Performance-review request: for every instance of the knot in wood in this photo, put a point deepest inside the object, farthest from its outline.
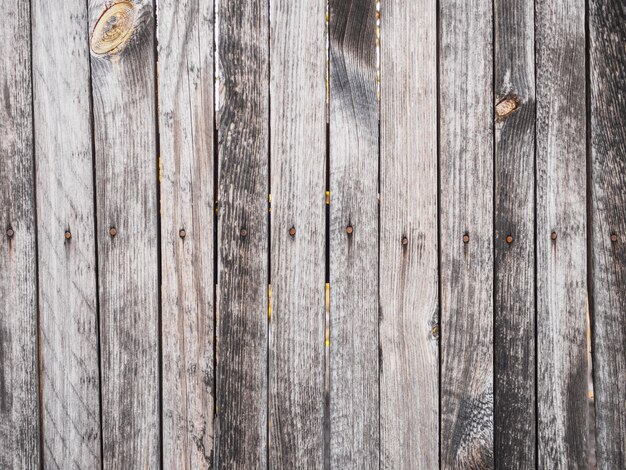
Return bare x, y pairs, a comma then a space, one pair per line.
68, 235
506, 107
10, 232
113, 28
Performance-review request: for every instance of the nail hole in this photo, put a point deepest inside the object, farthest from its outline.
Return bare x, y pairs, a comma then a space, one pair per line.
613, 237
553, 235
349, 230
113, 231
68, 234
466, 238
182, 233
509, 239
292, 231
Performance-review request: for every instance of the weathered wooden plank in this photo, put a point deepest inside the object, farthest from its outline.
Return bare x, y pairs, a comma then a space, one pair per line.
185, 90
354, 407
67, 244
409, 304
298, 124
514, 198
19, 386
561, 234
466, 223
607, 36
243, 234
123, 77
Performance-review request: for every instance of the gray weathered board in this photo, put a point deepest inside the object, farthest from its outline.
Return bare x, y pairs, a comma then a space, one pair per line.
318, 234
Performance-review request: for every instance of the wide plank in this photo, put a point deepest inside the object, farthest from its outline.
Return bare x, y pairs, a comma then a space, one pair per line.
123, 80
561, 234
514, 206
185, 90
466, 233
298, 154
607, 37
19, 370
67, 236
243, 234
409, 286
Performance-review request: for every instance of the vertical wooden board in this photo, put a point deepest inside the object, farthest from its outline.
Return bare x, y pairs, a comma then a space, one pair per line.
409, 356
298, 125
19, 392
122, 52
243, 234
466, 223
514, 309
561, 234
185, 90
67, 246
354, 407
608, 222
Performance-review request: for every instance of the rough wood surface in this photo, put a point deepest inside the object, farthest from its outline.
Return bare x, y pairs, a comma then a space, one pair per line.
409, 356
466, 223
67, 245
243, 236
123, 77
608, 221
19, 382
298, 123
185, 90
514, 237
354, 423
561, 234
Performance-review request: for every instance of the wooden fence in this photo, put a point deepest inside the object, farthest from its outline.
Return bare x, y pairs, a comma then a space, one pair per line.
382, 237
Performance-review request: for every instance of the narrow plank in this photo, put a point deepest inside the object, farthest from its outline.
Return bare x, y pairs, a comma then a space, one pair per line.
19, 386
354, 407
409, 299
67, 244
466, 224
561, 234
298, 126
607, 36
185, 89
122, 62
243, 234
514, 198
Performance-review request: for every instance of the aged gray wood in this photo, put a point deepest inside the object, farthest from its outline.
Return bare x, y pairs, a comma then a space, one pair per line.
466, 222
298, 120
409, 357
354, 407
561, 258
67, 245
185, 90
243, 234
608, 221
19, 385
123, 79
514, 198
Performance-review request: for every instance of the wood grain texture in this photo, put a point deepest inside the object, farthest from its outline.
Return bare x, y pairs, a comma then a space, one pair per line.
185, 90
409, 352
466, 223
354, 406
298, 123
67, 243
243, 232
19, 385
126, 193
561, 258
514, 198
608, 221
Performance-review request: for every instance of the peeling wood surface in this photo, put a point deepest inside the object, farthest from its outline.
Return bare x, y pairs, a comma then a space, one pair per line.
185, 99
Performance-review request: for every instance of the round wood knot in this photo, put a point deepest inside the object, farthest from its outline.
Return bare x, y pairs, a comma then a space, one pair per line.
113, 28
10, 232
182, 233
349, 229
112, 232
509, 239
614, 237
68, 235
506, 107
292, 232
553, 236
466, 238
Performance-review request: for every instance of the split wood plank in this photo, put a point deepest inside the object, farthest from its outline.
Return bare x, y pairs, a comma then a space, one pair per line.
409, 299
466, 224
608, 221
354, 406
123, 77
19, 381
298, 154
67, 236
514, 198
561, 234
243, 234
185, 90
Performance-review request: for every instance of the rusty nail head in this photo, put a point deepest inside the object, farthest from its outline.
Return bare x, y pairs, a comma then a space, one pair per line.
553, 235
112, 231
182, 233
466, 238
349, 230
405, 241
68, 234
613, 237
10, 233
243, 233
509, 239
292, 231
